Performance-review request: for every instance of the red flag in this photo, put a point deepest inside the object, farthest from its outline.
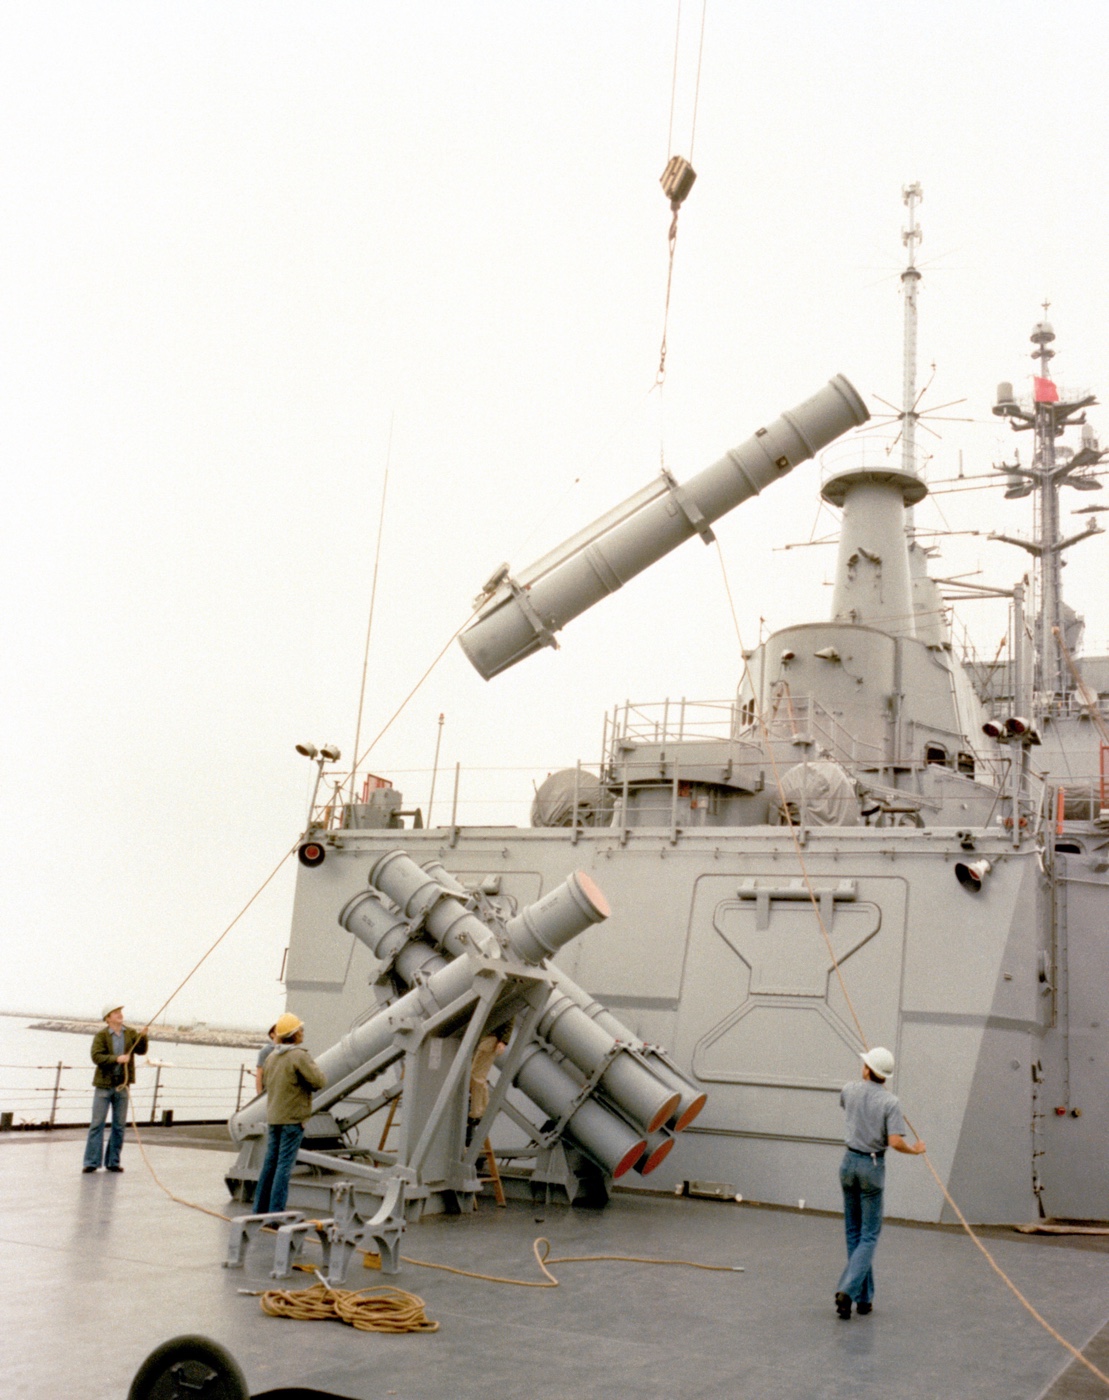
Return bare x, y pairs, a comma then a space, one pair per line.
1044, 390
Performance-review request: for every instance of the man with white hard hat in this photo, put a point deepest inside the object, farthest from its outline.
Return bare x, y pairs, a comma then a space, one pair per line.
874, 1122
113, 1052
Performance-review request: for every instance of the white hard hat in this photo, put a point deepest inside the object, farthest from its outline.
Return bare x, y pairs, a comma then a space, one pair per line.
879, 1061
109, 1007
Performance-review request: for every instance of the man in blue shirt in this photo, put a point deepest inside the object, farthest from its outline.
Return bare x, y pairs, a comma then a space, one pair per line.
874, 1122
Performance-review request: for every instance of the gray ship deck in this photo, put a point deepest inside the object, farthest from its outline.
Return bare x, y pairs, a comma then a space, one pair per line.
103, 1268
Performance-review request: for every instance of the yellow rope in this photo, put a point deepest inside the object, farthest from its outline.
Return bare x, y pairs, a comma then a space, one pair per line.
384, 1309
361, 758
543, 1258
994, 1265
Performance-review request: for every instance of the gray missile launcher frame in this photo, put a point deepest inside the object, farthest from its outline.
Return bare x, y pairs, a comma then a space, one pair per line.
448, 976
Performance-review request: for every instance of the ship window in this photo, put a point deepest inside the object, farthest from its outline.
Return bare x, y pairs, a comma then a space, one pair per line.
1068, 848
935, 753
964, 762
747, 713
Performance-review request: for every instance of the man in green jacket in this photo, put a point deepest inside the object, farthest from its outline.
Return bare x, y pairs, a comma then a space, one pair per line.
113, 1052
289, 1075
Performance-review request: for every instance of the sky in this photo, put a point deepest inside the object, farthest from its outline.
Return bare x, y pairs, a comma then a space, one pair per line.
255, 255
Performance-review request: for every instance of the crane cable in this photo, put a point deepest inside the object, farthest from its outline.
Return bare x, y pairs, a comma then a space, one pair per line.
678, 177
994, 1265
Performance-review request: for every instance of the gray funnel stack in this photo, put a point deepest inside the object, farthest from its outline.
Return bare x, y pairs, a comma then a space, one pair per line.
522, 614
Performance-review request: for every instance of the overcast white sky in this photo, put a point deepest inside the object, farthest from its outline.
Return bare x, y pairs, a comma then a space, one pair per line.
239, 240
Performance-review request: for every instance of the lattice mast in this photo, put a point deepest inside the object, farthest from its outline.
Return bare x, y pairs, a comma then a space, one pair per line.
912, 195
1049, 414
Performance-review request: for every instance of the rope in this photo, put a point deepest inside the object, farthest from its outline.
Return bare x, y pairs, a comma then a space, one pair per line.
543, 1258
1004, 1277
400, 708
384, 1309
994, 1265
373, 599
180, 1200
672, 242
197, 965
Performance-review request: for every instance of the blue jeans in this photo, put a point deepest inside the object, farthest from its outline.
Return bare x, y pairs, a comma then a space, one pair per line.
102, 1100
863, 1179
282, 1145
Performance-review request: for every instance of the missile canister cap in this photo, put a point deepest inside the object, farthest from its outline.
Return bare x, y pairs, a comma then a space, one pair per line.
592, 893
655, 1156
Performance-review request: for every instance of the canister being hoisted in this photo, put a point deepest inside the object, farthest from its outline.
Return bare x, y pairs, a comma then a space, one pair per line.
522, 613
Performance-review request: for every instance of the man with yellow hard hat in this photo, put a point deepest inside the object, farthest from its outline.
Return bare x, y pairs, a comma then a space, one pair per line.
289, 1075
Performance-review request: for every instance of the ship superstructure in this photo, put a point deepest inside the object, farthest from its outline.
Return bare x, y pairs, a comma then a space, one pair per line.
866, 844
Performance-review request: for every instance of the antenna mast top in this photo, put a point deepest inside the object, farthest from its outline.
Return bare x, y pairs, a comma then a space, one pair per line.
912, 195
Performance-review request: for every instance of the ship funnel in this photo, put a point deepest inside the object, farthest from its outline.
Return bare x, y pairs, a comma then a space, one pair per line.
874, 585
519, 615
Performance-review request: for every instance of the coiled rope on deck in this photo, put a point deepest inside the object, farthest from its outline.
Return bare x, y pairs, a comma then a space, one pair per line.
381, 1309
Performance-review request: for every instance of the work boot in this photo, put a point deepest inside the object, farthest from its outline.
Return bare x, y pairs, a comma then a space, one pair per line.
843, 1306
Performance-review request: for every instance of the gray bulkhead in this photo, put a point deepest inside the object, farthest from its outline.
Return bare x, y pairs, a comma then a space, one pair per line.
714, 950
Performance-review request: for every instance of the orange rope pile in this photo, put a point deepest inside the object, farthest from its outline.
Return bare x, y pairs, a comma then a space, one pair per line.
384, 1309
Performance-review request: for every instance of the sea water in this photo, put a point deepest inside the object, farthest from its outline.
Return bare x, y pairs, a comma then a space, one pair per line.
47, 1075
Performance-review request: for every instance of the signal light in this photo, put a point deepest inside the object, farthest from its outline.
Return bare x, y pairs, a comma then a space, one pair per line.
993, 729
311, 853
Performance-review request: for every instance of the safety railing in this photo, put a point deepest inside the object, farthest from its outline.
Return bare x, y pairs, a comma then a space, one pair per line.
668, 721
800, 719
1081, 798
470, 795
60, 1095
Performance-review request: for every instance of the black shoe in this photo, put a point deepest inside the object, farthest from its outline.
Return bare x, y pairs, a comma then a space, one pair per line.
863, 1308
843, 1306
115, 1169
90, 1169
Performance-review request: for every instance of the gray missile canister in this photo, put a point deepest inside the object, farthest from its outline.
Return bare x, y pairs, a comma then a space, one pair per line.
691, 1099
522, 614
601, 1135
632, 1088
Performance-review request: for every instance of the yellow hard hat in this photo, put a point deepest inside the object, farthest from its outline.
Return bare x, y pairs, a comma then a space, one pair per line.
287, 1025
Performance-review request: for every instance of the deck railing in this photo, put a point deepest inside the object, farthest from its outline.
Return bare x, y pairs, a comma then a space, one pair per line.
58, 1095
